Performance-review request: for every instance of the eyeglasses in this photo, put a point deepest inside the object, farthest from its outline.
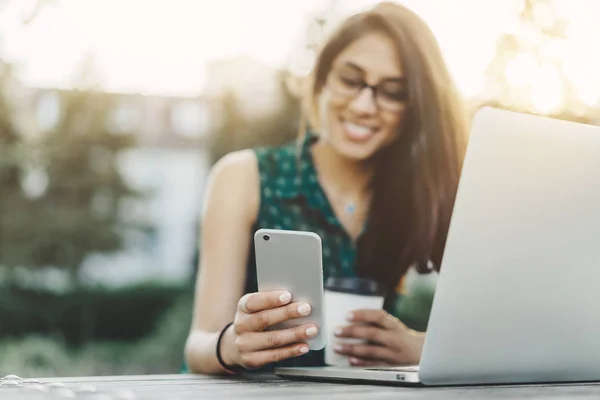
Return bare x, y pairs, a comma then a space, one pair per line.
390, 95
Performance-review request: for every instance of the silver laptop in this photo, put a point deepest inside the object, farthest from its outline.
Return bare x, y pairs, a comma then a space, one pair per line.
519, 285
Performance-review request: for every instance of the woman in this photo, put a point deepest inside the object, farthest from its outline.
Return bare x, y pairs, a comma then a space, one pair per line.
375, 177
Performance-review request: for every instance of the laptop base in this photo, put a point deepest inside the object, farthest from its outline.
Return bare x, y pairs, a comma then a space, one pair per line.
404, 376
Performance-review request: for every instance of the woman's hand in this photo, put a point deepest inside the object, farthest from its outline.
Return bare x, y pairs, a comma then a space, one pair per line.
252, 346
388, 341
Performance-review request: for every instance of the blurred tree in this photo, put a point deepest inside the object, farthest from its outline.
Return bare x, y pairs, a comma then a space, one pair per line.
81, 209
239, 132
66, 198
226, 137
14, 205
527, 73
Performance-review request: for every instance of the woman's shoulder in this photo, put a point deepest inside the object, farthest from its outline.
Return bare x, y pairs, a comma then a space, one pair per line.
233, 184
236, 164
250, 165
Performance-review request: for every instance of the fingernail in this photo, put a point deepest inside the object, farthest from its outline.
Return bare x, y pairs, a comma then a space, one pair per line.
312, 331
244, 301
353, 360
338, 331
338, 347
285, 297
303, 349
350, 316
304, 309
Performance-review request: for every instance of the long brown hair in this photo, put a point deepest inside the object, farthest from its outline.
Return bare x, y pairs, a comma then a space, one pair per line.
417, 176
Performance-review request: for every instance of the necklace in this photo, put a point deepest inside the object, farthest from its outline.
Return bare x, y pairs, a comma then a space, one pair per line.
350, 208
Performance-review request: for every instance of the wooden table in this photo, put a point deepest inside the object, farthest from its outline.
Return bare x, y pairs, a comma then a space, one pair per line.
188, 387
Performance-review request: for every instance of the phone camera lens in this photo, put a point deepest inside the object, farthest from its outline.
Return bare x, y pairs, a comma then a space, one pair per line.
266, 237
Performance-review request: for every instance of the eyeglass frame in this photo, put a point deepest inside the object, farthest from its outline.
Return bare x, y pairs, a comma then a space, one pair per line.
363, 84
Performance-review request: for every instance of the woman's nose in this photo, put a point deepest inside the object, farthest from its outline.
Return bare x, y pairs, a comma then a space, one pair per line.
364, 101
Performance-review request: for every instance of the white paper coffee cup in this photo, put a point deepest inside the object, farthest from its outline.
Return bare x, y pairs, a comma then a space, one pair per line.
343, 295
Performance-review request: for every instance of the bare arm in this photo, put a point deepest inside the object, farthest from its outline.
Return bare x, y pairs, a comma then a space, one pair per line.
230, 209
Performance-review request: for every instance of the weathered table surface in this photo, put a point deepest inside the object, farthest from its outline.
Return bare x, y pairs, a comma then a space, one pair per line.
188, 387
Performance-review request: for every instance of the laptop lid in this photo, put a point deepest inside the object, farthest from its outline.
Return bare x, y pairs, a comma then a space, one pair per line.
520, 278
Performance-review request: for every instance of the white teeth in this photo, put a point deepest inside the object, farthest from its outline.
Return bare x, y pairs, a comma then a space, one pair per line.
358, 130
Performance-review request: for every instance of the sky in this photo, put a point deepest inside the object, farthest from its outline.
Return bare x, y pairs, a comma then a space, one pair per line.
164, 46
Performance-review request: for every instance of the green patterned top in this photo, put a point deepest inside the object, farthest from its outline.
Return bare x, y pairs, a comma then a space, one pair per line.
292, 198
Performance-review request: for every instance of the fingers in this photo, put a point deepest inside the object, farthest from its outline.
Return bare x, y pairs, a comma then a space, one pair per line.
254, 302
369, 333
367, 353
376, 317
261, 320
258, 359
256, 341
258, 311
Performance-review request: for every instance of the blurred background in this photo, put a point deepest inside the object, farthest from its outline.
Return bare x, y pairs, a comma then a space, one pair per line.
113, 111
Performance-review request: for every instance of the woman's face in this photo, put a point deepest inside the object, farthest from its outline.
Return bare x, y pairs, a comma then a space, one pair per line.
358, 121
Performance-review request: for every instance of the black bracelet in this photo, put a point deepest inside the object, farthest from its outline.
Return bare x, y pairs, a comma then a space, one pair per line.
228, 368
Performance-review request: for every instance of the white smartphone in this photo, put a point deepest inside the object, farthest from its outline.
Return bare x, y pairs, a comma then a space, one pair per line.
292, 261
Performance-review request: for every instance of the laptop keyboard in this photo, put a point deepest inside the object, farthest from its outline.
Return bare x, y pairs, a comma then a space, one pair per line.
409, 368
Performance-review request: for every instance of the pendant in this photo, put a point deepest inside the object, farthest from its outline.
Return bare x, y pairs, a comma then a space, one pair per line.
350, 208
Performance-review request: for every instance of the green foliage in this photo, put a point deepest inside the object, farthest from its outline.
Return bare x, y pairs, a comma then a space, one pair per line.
159, 352
90, 314
162, 352
415, 308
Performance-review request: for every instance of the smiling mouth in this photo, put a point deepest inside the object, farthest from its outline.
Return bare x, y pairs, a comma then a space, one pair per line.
358, 132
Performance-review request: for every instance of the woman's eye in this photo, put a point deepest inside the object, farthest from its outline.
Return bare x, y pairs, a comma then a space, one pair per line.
395, 96
351, 81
